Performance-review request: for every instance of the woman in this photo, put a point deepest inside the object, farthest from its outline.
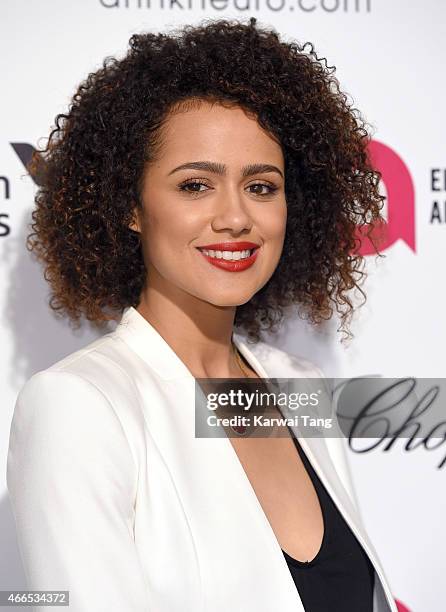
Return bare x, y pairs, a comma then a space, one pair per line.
202, 183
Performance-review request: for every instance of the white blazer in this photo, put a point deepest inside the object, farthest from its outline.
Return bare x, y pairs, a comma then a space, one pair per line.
117, 501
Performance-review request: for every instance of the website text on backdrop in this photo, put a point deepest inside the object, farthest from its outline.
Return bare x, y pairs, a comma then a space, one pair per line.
192, 199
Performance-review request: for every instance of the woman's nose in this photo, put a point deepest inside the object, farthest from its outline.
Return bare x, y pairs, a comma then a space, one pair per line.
231, 213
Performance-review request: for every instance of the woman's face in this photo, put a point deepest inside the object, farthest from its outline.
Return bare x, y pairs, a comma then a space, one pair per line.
234, 193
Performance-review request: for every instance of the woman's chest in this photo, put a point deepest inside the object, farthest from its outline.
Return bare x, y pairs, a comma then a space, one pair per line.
285, 492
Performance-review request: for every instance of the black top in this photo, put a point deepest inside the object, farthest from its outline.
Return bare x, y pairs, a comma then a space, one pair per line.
341, 576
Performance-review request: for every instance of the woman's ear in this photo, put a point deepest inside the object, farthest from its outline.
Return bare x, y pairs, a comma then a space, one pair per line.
135, 223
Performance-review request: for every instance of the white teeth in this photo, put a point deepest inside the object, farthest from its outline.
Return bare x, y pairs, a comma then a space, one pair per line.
228, 255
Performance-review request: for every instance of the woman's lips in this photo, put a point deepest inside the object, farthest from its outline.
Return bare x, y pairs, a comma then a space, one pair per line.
232, 265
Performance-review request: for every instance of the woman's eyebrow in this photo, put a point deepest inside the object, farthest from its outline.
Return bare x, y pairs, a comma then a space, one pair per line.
220, 169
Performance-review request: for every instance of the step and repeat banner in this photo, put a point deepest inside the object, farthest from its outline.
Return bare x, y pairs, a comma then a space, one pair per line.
389, 57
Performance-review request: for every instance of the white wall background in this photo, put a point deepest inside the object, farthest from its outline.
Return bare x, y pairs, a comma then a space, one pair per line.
390, 58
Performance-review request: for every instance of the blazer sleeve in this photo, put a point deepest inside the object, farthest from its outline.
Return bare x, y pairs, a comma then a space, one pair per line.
71, 478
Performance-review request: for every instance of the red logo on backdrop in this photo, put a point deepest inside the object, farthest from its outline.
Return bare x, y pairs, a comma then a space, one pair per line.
400, 223
401, 607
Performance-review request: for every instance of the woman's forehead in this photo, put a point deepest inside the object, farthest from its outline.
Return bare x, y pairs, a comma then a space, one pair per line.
216, 132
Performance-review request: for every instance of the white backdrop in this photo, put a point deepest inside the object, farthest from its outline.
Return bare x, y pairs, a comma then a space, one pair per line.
389, 56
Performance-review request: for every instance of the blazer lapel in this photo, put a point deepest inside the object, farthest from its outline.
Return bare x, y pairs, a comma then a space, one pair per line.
241, 562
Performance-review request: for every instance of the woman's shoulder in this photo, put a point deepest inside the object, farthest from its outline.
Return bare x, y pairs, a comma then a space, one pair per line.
91, 385
105, 363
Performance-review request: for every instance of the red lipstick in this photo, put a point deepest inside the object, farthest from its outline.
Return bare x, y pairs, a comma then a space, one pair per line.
231, 265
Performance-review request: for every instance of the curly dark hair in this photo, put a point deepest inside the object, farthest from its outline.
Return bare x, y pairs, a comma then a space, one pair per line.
97, 152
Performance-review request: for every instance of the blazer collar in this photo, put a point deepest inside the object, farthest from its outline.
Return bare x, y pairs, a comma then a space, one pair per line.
149, 344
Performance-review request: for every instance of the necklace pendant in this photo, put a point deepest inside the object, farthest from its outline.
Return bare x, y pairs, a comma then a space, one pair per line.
239, 429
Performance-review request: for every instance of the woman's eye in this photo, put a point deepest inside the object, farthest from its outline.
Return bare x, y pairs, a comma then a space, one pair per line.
184, 186
271, 189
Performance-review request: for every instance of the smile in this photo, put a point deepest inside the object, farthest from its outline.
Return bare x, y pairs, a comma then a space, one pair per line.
236, 259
